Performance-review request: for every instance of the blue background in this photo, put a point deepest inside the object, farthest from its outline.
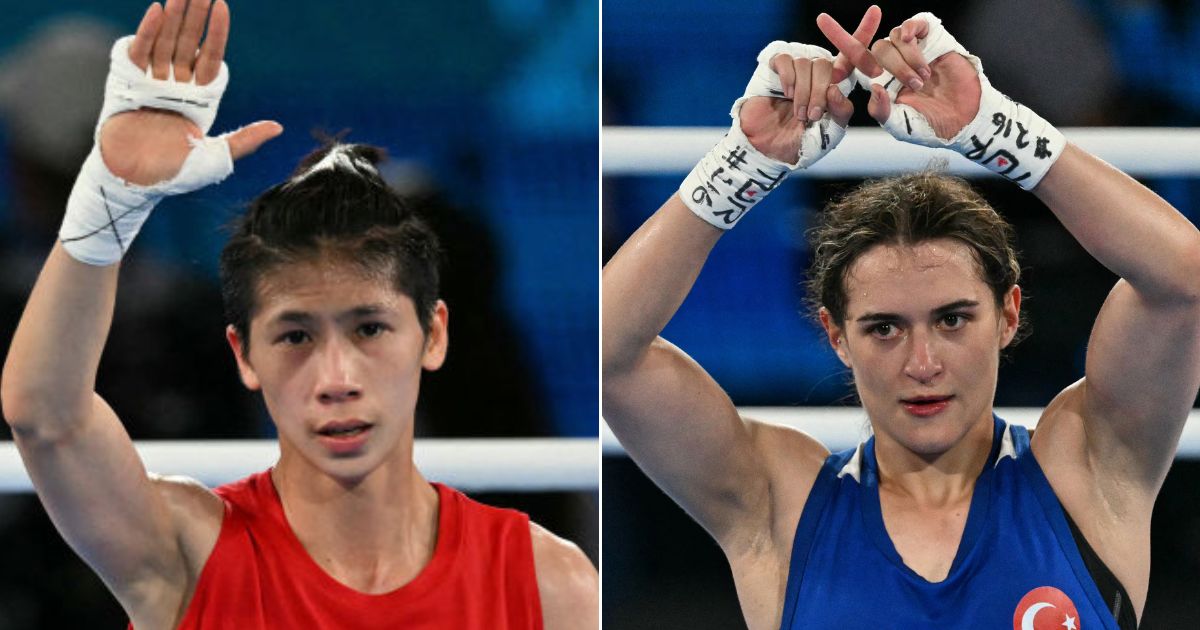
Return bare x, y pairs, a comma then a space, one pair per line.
496, 98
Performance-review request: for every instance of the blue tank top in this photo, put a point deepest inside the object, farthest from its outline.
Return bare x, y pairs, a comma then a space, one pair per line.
1017, 562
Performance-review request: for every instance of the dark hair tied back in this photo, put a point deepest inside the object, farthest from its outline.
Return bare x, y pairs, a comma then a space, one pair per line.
335, 206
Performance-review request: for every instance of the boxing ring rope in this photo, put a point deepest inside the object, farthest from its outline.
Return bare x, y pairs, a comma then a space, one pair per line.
871, 152
1140, 151
840, 428
472, 465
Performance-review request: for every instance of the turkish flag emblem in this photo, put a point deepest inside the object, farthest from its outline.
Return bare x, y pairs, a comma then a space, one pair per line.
1046, 608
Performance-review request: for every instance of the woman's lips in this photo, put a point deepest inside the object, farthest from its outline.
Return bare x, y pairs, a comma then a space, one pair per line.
926, 406
344, 438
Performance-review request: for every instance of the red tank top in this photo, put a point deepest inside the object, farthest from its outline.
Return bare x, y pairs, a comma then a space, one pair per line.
259, 576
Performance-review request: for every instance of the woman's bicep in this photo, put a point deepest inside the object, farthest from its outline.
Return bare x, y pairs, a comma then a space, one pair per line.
98, 495
1142, 374
684, 432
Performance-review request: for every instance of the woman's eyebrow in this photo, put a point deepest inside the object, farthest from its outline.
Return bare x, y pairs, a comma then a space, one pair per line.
955, 306
365, 310
305, 318
295, 317
895, 317
879, 317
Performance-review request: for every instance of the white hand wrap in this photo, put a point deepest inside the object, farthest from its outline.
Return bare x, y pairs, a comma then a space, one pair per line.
129, 88
104, 212
1005, 137
734, 176
818, 139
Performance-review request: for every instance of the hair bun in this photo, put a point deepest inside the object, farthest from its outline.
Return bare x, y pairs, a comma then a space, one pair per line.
359, 159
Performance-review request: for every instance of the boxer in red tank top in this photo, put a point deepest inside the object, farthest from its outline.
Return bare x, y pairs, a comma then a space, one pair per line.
331, 290
481, 574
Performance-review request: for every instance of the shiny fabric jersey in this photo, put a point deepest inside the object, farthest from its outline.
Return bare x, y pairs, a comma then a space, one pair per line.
1017, 565
259, 576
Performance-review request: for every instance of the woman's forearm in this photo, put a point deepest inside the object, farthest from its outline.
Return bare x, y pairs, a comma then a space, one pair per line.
1124, 225
649, 277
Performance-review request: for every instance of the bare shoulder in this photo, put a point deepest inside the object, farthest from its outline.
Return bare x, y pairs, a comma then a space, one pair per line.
197, 513
1066, 444
788, 448
761, 554
568, 583
793, 459
1112, 514
1059, 444
1058, 440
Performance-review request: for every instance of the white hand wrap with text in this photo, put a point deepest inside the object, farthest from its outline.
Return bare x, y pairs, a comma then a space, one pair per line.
734, 176
1005, 137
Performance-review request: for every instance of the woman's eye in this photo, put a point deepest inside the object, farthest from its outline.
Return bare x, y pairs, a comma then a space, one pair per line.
294, 337
884, 331
371, 330
954, 321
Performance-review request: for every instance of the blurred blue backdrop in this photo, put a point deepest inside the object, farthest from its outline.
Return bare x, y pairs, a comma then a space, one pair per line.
493, 101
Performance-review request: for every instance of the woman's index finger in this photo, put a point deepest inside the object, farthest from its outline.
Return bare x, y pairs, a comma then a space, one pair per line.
868, 25
853, 49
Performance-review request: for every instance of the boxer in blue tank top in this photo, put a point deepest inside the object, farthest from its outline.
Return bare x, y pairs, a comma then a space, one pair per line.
946, 516
1017, 556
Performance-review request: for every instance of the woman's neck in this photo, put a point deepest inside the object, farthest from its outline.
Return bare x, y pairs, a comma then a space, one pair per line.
934, 480
374, 535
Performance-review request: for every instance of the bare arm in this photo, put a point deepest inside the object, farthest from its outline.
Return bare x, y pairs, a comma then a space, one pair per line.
82, 463
568, 584
1143, 361
1143, 364
144, 536
671, 416
1106, 442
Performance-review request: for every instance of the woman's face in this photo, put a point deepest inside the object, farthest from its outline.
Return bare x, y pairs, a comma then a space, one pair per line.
923, 336
338, 356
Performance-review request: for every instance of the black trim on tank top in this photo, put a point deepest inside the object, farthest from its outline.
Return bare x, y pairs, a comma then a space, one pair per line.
1111, 590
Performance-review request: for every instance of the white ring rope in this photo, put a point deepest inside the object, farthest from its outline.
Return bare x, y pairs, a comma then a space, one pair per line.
840, 428
1143, 152
1139, 151
473, 465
